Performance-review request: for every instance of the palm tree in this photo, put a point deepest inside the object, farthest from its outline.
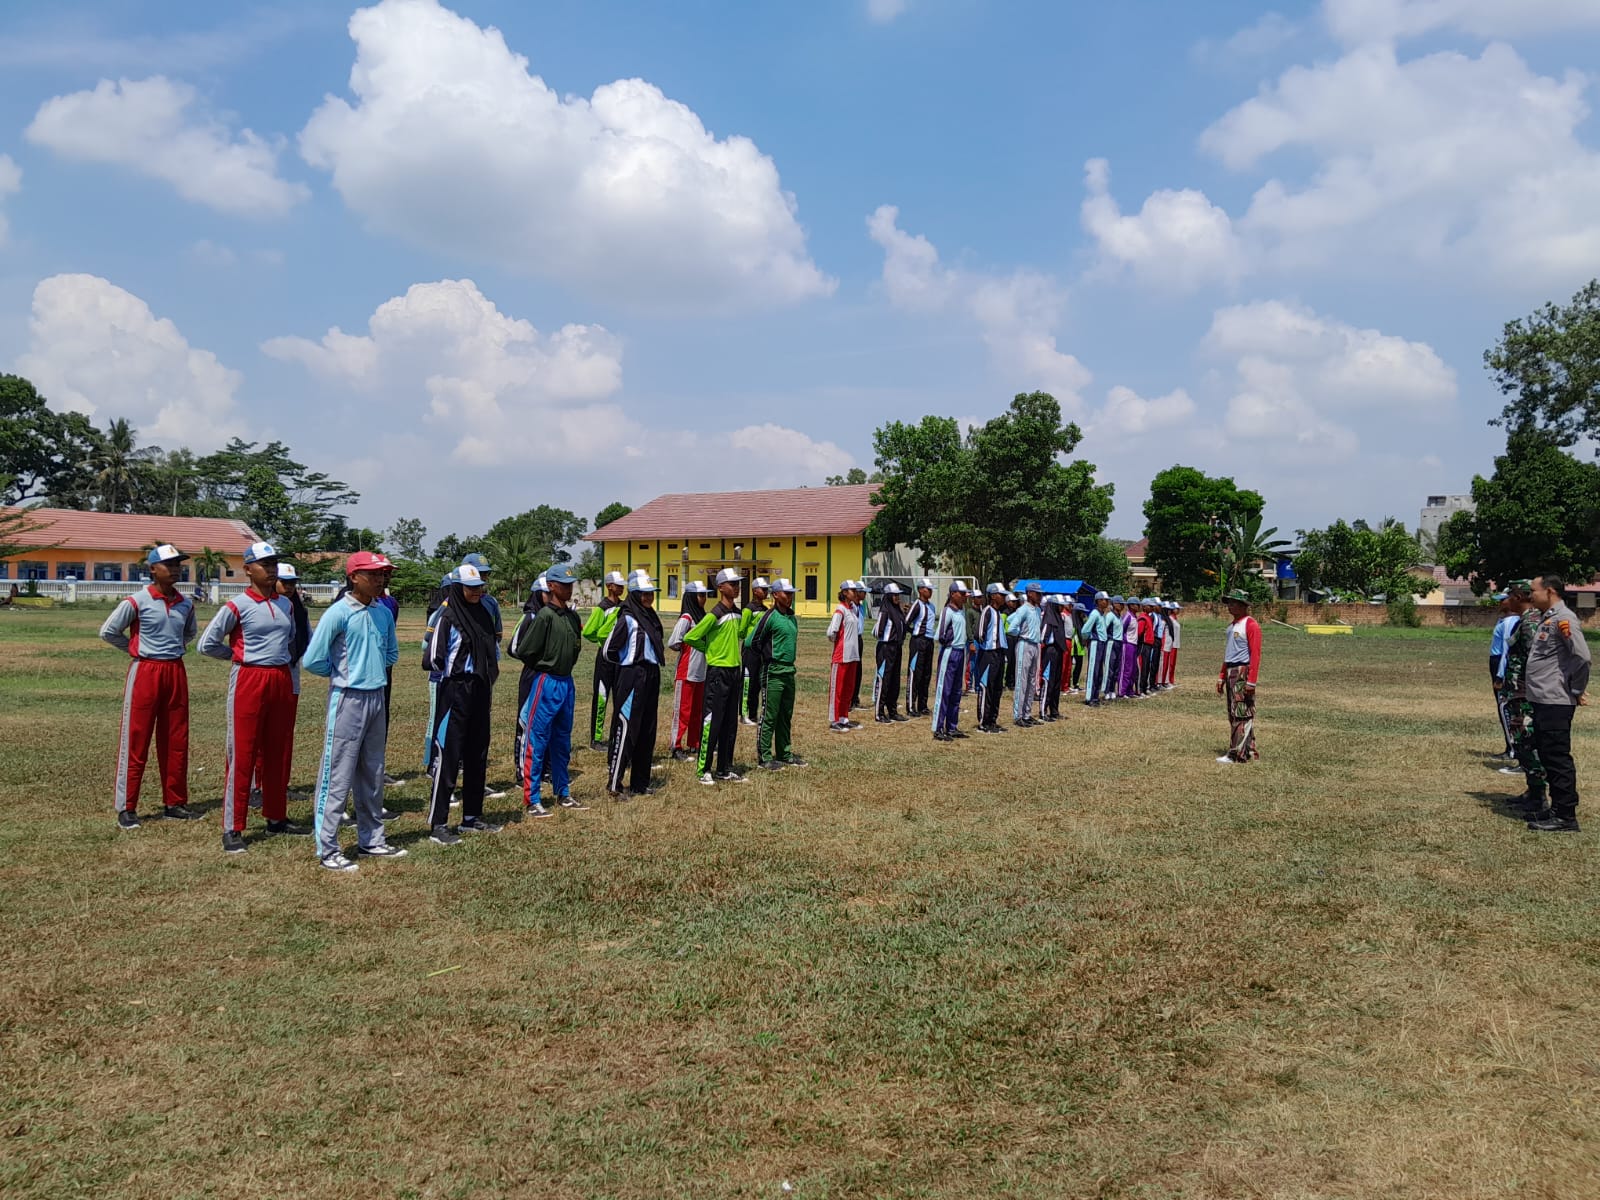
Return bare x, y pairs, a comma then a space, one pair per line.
114, 464
210, 564
1244, 547
516, 558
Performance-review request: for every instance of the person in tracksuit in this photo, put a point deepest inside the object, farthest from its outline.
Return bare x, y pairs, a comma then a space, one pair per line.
256, 633
638, 649
776, 637
538, 596
993, 650
1498, 641
463, 650
889, 632
1097, 631
1009, 611
549, 646
1078, 614
1055, 633
354, 646
288, 586
154, 627
844, 632
1117, 649
1027, 632
1169, 654
970, 614
950, 674
858, 597
717, 637
754, 684
689, 679
922, 622
430, 741
602, 617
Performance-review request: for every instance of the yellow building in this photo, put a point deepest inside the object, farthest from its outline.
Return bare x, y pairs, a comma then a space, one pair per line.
813, 536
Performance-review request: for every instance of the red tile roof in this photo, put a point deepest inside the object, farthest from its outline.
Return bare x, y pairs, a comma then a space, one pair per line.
837, 511
1138, 550
126, 532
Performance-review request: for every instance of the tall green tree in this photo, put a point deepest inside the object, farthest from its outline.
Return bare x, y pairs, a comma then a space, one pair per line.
42, 452
1539, 511
1244, 552
548, 534
998, 503
614, 511
1187, 521
516, 556
278, 497
1549, 364
1356, 559
117, 466
404, 538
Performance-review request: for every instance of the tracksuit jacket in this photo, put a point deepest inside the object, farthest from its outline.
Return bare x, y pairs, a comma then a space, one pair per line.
155, 631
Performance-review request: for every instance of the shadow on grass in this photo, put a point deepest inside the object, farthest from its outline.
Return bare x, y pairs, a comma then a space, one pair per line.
1502, 805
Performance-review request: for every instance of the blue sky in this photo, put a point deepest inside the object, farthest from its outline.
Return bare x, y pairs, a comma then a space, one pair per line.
701, 246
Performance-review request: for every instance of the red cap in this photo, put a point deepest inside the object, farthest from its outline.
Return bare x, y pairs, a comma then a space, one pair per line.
366, 560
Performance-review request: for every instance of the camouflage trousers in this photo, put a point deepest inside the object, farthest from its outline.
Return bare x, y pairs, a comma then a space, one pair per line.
1519, 712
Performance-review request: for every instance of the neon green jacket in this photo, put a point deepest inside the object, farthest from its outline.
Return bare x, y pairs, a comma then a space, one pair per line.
602, 619
717, 637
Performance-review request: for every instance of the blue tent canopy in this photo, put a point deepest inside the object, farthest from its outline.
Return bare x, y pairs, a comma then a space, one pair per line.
1076, 588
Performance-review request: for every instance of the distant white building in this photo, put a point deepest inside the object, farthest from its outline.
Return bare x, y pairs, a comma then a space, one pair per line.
1440, 509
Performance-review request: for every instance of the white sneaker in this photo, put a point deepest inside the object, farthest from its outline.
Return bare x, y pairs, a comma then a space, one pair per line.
708, 779
455, 800
390, 781
1225, 759
383, 851
490, 793
1511, 770
338, 862
746, 721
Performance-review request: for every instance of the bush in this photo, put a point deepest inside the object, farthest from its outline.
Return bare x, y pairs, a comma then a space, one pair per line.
1403, 611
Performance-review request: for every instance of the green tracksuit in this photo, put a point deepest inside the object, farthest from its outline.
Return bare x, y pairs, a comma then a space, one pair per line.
773, 639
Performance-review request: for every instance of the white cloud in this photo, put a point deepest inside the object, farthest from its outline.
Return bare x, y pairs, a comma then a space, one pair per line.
1179, 240
883, 11
97, 349
1016, 315
212, 254
1269, 34
1127, 415
453, 145
159, 128
10, 185
1295, 371
1445, 158
489, 390
1360, 21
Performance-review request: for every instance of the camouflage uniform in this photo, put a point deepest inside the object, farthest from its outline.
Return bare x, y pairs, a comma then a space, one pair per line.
1518, 707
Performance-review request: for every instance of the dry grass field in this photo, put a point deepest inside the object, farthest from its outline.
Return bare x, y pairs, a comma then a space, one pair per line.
1083, 960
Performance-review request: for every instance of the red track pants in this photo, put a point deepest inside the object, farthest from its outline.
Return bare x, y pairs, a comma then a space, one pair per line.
841, 687
261, 712
154, 700
688, 712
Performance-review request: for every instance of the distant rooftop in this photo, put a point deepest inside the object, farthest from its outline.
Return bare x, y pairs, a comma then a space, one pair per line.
69, 529
825, 511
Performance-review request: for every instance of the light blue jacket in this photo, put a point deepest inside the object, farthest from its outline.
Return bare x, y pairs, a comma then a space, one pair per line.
354, 645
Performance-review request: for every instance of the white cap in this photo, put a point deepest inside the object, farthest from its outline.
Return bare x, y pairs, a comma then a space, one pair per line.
639, 581
468, 575
696, 587
760, 582
260, 550
287, 571
1102, 595
925, 582
891, 589
614, 578
783, 585
728, 575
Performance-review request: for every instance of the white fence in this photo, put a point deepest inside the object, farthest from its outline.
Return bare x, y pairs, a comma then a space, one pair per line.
66, 591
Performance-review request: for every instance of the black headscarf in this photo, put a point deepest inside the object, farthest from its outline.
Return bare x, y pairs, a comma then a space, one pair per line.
535, 601
890, 607
648, 620
1052, 619
476, 627
693, 607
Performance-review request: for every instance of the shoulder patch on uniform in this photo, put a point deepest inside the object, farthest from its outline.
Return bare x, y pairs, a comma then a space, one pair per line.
1566, 629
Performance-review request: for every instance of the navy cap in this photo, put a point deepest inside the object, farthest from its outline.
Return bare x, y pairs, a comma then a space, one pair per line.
479, 561
560, 574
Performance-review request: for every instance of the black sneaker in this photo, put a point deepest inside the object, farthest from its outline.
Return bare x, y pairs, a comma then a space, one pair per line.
478, 825
794, 760
644, 791
572, 804
1554, 824
958, 733
383, 851
618, 796
443, 835
731, 777
682, 756
284, 827
388, 814
347, 820
537, 810
181, 812
943, 737
127, 819
772, 764
899, 718
233, 843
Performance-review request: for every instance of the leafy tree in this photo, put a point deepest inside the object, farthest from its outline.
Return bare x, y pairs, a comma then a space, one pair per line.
453, 549
337, 535
1356, 558
1549, 363
544, 532
516, 556
996, 503
1187, 519
852, 476
283, 501
1103, 563
42, 452
117, 466
1539, 511
614, 511
405, 536
1244, 549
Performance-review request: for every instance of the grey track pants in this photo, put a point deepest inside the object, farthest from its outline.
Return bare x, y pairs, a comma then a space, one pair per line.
1025, 699
352, 765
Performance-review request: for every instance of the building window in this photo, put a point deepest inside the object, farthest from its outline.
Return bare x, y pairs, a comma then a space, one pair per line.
811, 585
66, 570
5, 570
811, 545
108, 572
672, 585
644, 545
775, 545
32, 569
705, 545
672, 545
